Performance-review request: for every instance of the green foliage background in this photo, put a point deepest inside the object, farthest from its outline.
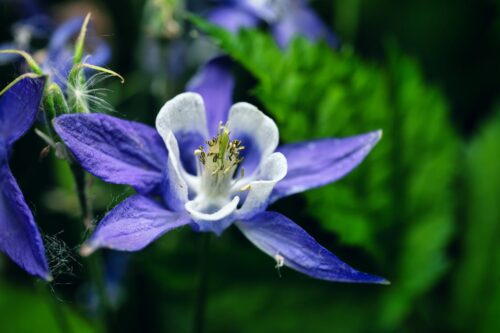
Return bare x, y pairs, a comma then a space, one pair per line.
422, 209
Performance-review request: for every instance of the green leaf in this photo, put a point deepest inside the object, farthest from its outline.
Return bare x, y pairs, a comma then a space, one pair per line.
37, 310
476, 288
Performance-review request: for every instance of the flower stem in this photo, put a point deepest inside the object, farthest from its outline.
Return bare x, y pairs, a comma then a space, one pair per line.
81, 182
201, 296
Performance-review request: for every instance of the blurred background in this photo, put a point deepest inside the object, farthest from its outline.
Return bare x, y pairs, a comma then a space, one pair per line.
422, 210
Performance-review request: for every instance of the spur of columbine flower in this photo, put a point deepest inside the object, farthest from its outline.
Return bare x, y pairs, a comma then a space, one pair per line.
19, 236
209, 171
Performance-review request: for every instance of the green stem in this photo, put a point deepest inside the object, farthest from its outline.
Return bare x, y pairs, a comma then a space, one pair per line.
201, 296
81, 182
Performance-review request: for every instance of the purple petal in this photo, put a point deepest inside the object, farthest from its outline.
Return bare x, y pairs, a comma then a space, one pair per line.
291, 246
18, 108
304, 22
232, 18
264, 10
58, 67
115, 150
134, 224
19, 236
316, 163
59, 59
101, 52
215, 84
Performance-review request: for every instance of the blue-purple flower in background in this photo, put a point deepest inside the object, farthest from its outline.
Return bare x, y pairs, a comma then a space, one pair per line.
19, 235
23, 33
56, 59
286, 19
60, 51
209, 169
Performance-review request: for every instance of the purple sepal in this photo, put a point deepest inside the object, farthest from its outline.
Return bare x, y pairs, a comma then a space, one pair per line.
215, 83
18, 108
63, 35
115, 150
291, 246
19, 235
316, 163
134, 224
301, 21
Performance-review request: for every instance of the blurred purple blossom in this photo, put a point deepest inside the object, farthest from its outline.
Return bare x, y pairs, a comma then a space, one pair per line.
57, 59
286, 19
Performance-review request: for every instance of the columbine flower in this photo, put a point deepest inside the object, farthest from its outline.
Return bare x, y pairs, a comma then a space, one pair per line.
211, 171
19, 236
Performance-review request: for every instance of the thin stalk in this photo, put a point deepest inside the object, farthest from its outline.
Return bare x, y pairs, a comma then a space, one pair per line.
201, 296
81, 182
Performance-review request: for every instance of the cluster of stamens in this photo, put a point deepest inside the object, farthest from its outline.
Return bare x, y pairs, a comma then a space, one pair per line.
222, 155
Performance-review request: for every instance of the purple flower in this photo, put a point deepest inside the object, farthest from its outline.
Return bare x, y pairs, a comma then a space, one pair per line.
287, 19
194, 170
19, 236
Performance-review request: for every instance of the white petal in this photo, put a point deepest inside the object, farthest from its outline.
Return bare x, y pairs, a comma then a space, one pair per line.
246, 121
193, 208
272, 170
184, 113
177, 195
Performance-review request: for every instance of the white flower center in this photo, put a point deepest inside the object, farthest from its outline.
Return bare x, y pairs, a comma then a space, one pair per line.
218, 165
216, 173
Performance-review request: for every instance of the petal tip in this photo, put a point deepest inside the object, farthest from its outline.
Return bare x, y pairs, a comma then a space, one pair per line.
379, 280
86, 250
376, 136
385, 282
